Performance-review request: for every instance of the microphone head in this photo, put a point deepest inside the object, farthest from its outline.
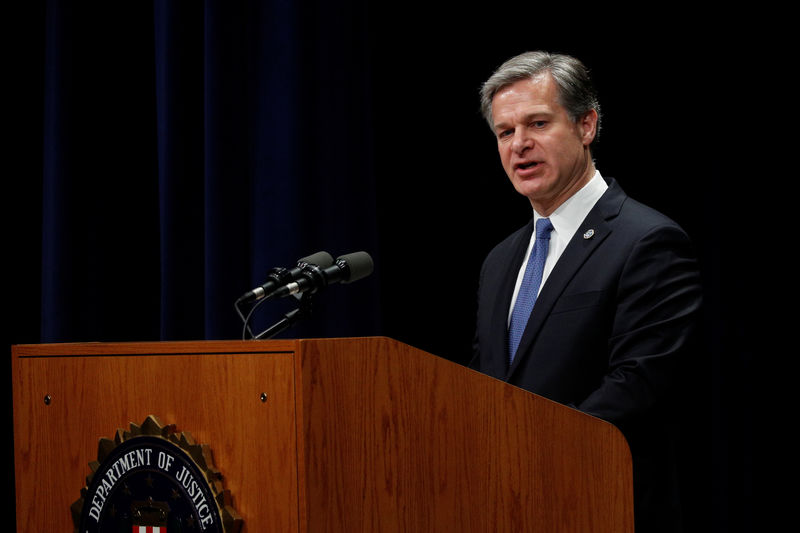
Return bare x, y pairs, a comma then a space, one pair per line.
358, 265
320, 259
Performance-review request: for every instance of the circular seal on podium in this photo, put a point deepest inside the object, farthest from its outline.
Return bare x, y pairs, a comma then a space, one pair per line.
152, 479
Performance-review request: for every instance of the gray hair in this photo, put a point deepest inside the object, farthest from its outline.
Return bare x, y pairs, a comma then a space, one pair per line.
576, 92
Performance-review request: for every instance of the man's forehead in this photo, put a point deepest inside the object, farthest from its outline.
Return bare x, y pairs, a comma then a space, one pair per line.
525, 97
542, 86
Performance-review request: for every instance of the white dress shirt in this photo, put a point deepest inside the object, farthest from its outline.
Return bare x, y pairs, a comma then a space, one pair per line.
566, 220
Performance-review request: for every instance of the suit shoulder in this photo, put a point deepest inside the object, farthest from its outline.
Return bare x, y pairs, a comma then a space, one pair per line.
632, 215
640, 218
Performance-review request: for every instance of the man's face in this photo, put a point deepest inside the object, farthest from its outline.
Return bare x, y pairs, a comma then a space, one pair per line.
544, 153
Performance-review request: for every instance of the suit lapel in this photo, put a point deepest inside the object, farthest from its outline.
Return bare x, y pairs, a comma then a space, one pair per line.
572, 259
505, 291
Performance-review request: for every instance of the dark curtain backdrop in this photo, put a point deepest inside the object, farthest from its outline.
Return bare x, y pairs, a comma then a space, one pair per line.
168, 154
189, 148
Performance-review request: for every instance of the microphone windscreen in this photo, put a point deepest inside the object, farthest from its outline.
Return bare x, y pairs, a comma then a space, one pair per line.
320, 259
359, 265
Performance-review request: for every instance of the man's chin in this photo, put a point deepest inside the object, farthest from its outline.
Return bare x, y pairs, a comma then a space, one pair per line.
530, 188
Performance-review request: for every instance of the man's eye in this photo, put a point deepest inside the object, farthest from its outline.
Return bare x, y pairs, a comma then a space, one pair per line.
538, 123
505, 133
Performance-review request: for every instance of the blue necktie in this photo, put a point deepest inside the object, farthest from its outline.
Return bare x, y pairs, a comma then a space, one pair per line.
530, 286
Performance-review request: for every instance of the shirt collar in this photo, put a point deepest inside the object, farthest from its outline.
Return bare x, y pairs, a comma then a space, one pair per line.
568, 216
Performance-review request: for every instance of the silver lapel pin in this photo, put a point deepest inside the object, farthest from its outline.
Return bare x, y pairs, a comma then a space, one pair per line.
589, 234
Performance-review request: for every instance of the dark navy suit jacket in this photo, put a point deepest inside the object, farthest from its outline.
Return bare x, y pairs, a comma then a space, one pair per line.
609, 329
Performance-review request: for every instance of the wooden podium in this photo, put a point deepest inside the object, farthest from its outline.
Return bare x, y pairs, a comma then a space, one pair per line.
335, 435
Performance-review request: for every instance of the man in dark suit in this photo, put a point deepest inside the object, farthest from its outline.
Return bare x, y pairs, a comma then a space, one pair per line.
594, 308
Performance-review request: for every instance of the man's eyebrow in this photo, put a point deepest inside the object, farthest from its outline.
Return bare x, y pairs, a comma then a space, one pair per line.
527, 118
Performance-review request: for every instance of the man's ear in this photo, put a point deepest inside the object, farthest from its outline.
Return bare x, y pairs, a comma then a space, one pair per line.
587, 127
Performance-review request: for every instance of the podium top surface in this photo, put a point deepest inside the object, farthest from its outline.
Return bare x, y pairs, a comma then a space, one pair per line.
154, 347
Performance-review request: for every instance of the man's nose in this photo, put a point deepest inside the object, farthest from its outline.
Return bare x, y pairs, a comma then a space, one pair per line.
522, 142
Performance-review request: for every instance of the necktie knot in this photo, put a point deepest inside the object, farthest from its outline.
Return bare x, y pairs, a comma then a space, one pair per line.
543, 228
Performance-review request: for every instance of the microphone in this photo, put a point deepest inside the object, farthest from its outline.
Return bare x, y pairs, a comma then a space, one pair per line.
279, 276
346, 269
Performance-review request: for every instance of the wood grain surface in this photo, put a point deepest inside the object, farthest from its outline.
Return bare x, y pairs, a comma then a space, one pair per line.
398, 440
355, 435
212, 390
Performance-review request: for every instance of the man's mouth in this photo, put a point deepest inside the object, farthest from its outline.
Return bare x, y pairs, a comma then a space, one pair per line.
526, 165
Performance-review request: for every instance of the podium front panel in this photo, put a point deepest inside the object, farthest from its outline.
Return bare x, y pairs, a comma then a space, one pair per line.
238, 398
